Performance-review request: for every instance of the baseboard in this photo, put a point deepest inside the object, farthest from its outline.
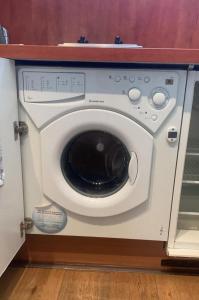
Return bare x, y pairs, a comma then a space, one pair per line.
92, 251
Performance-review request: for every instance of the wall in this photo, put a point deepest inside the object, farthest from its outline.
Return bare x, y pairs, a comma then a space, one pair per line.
151, 23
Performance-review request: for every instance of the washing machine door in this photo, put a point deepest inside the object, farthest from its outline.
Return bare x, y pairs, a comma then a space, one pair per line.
96, 162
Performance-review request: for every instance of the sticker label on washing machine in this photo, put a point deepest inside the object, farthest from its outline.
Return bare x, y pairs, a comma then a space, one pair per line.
49, 219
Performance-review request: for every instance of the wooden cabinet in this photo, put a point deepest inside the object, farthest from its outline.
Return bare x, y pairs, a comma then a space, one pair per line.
184, 224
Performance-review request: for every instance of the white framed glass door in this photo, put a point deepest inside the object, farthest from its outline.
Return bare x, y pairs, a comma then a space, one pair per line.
184, 225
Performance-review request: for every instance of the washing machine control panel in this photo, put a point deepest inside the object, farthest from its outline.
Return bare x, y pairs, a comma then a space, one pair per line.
148, 96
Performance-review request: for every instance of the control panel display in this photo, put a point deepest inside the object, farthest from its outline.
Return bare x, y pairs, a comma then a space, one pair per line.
148, 96
52, 86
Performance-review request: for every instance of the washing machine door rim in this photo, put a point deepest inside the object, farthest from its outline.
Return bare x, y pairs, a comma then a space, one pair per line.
137, 141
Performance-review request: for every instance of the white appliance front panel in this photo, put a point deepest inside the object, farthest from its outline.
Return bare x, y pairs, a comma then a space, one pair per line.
149, 220
147, 96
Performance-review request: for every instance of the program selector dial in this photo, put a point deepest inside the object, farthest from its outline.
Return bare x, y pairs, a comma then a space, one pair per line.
159, 98
134, 94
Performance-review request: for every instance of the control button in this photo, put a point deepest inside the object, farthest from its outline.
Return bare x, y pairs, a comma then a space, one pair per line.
117, 79
131, 78
154, 117
147, 79
134, 94
159, 98
172, 135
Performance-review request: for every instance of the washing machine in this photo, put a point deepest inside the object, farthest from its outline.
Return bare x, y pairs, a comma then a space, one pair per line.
100, 155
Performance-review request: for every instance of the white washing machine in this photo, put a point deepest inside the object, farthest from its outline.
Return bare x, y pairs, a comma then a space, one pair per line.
100, 155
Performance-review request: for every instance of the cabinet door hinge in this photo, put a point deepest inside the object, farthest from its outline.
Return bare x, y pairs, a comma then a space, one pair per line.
26, 225
20, 129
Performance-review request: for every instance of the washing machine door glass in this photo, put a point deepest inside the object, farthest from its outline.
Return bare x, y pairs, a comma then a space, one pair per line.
95, 163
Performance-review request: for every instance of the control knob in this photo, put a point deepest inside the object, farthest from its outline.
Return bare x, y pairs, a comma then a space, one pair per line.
134, 94
159, 99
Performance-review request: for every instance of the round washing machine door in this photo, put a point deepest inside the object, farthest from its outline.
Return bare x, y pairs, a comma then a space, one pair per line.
96, 162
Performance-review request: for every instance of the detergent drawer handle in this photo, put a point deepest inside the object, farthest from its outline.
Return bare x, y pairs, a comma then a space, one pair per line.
133, 168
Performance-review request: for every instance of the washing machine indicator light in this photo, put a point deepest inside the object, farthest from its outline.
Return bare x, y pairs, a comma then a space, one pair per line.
172, 135
169, 81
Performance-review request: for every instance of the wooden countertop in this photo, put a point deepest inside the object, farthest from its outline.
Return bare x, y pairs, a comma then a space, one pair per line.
90, 54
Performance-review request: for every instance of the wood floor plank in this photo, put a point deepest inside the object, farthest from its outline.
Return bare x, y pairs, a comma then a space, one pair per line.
177, 287
9, 281
35, 284
132, 286
83, 285
62, 284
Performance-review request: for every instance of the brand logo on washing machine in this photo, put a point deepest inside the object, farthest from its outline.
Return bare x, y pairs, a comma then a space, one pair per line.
95, 101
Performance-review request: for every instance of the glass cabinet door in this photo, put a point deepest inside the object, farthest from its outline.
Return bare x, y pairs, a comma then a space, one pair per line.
189, 203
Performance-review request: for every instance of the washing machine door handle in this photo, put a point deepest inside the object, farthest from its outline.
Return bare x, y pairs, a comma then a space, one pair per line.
133, 168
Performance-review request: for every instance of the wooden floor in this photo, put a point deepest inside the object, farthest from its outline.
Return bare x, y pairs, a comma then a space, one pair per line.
62, 284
